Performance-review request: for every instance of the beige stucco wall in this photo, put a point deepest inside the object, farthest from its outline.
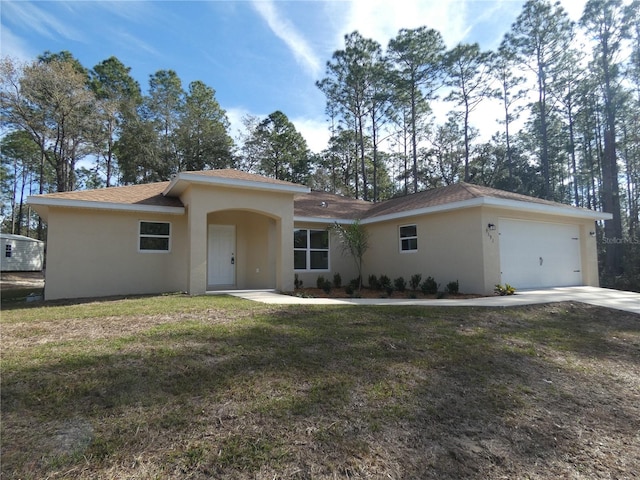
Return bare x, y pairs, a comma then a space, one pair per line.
95, 253
457, 245
202, 200
450, 248
491, 242
338, 261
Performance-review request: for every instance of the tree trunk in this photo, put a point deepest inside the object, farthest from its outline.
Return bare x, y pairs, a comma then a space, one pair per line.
611, 204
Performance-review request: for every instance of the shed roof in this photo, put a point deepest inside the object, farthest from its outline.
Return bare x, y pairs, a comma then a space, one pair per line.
19, 238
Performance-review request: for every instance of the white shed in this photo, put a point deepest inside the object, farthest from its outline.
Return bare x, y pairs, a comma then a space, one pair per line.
20, 253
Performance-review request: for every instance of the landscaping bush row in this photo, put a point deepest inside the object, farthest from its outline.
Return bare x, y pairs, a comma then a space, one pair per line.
383, 283
429, 286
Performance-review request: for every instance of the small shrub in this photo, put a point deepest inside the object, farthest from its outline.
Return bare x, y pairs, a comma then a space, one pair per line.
415, 281
297, 282
453, 288
374, 284
441, 295
355, 283
385, 282
337, 280
326, 286
429, 286
349, 289
400, 284
505, 289
320, 281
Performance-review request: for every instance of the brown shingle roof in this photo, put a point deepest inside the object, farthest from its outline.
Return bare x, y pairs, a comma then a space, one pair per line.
145, 194
311, 205
233, 174
151, 193
329, 205
446, 195
314, 204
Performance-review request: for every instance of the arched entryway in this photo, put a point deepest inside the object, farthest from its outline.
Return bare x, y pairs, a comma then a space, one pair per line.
242, 250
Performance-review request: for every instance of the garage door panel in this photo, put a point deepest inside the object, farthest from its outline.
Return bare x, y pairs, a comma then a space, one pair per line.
539, 254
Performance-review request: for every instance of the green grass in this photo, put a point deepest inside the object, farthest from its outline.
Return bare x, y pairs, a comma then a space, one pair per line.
216, 387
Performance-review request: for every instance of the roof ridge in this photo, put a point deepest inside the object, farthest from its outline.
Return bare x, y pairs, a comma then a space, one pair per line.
473, 189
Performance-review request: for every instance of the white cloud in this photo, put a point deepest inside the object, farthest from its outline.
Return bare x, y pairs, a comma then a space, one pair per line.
126, 39
574, 8
287, 32
38, 20
314, 131
14, 46
235, 116
381, 19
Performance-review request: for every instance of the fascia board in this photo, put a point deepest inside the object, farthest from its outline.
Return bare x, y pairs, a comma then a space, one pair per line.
566, 211
498, 203
341, 221
179, 183
474, 202
123, 207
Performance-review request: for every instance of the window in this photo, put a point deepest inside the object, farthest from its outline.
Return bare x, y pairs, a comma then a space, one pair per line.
7, 250
154, 236
408, 238
311, 249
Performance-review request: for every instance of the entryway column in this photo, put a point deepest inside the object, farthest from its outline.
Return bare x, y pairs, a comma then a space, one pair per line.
284, 263
197, 251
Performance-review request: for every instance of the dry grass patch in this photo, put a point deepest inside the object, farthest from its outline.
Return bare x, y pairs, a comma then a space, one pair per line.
216, 387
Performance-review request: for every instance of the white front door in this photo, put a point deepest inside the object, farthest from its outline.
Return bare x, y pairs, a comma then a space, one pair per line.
539, 254
221, 261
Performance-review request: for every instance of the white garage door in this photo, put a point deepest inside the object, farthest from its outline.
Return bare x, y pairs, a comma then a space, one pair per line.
537, 254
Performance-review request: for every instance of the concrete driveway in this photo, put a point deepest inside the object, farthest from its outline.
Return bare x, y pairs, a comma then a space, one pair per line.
602, 297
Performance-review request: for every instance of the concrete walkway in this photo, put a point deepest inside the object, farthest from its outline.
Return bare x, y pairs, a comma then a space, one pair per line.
602, 297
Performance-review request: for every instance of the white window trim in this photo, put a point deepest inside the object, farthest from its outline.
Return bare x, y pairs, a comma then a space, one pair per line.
401, 238
308, 250
140, 235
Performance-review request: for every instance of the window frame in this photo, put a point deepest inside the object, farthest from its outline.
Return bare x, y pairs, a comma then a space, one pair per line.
308, 249
8, 250
407, 238
149, 235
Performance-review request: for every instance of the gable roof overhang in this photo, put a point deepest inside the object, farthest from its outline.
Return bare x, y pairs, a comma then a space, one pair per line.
556, 210
43, 204
501, 203
160, 197
231, 179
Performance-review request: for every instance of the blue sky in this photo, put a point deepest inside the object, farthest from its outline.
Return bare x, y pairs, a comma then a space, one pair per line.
259, 56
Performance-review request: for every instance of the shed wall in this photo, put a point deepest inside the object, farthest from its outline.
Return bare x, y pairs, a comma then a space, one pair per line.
23, 255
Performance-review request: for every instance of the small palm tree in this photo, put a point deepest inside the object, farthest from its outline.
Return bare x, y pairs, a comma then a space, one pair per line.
355, 242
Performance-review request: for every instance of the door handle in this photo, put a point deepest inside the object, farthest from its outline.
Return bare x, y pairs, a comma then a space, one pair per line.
233, 260
541, 261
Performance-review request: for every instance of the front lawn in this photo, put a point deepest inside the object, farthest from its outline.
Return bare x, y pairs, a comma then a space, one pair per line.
217, 387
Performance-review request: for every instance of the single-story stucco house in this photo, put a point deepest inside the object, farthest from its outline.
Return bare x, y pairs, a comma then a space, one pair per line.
227, 229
